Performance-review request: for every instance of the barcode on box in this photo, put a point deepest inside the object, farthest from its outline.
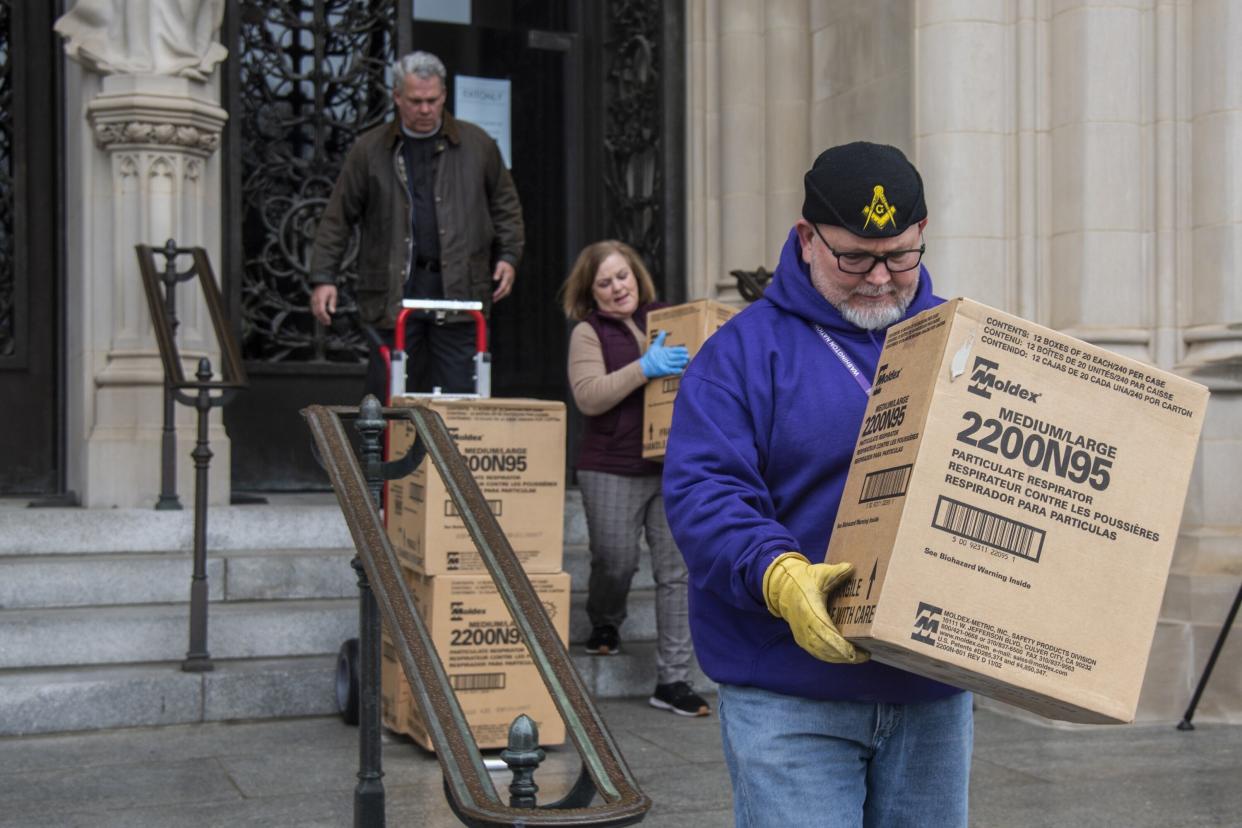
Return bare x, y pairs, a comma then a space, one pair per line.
983, 527
450, 509
886, 483
478, 681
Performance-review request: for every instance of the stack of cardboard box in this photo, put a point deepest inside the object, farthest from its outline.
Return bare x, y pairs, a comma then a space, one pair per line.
516, 451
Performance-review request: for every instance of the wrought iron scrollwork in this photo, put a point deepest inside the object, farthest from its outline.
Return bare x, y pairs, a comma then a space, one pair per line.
633, 143
8, 275
312, 78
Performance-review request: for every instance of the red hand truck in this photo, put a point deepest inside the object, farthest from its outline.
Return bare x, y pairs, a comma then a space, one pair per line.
395, 357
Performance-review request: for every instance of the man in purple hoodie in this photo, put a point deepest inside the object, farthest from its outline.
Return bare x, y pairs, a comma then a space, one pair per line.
763, 431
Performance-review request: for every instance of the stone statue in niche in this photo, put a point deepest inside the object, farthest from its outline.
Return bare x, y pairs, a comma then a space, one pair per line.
145, 37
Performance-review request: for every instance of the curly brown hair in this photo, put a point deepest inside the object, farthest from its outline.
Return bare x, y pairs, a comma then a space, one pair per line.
578, 301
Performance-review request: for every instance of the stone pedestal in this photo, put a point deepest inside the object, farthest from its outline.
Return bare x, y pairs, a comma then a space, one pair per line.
142, 169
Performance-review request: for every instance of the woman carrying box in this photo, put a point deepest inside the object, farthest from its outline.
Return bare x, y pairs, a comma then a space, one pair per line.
609, 293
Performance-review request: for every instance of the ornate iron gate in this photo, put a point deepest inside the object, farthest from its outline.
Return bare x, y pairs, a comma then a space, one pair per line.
30, 442
310, 75
308, 78
8, 278
644, 135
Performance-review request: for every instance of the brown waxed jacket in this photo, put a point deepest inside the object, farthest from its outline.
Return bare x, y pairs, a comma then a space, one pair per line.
477, 210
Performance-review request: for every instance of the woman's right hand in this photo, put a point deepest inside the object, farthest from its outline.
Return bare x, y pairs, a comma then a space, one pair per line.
660, 361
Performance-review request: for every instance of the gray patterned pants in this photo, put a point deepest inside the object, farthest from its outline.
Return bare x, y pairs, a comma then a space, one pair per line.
618, 509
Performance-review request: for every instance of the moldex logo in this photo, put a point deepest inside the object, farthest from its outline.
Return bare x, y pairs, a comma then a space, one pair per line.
458, 610
926, 624
885, 375
983, 381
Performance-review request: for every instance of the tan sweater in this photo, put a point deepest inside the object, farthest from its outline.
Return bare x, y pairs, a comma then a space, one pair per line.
594, 389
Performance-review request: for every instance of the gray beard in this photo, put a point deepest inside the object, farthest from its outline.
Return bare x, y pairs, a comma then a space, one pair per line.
871, 319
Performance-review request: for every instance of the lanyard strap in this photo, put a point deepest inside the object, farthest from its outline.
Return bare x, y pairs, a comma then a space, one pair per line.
862, 381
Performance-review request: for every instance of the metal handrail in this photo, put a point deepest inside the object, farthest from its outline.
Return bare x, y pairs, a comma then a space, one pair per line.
176, 386
468, 786
233, 372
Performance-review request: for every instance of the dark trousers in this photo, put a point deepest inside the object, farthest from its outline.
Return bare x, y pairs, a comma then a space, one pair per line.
439, 355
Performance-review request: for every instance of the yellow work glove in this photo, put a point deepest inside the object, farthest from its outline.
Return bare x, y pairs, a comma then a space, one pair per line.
797, 590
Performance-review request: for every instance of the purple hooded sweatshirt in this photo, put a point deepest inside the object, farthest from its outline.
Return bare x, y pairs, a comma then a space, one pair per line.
763, 431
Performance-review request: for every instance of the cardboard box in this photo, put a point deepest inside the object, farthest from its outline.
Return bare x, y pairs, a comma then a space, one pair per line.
516, 450
1011, 510
483, 654
690, 325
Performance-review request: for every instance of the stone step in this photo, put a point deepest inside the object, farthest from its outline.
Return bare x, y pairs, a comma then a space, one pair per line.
94, 615
301, 521
160, 632
108, 579
93, 698
316, 523
245, 629
155, 577
46, 581
163, 578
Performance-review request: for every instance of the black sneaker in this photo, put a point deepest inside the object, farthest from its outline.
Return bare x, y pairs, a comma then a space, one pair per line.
604, 641
680, 698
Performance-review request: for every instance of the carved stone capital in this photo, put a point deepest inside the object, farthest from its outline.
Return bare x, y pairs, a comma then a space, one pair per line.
155, 112
147, 132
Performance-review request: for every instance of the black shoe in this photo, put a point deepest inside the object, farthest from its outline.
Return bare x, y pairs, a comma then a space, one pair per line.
680, 698
604, 641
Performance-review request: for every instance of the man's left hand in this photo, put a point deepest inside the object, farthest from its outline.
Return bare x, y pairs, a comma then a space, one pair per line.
797, 590
503, 277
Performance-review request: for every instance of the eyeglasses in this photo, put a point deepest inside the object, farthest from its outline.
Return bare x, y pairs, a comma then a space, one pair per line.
860, 264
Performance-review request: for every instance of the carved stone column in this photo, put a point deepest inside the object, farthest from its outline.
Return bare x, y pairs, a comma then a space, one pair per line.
1214, 336
1205, 299
705, 269
749, 96
787, 94
741, 175
141, 167
964, 77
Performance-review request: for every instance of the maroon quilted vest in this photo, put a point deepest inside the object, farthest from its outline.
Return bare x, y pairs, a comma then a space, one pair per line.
613, 441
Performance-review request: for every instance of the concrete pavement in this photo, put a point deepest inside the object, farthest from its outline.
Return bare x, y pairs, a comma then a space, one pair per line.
300, 772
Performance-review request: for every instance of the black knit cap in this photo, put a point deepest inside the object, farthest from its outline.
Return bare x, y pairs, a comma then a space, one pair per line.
872, 190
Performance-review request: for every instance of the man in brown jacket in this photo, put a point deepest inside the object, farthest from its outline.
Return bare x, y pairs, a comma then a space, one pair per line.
439, 219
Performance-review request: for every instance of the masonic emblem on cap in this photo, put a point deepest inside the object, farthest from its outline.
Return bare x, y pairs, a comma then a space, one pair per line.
879, 212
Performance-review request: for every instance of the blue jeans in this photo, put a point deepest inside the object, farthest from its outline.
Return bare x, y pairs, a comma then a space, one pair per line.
802, 762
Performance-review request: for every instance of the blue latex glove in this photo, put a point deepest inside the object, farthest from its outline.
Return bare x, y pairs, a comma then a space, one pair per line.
662, 362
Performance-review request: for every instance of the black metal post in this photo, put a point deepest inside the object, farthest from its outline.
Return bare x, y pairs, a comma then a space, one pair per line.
369, 793
1211, 663
197, 659
523, 756
169, 500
